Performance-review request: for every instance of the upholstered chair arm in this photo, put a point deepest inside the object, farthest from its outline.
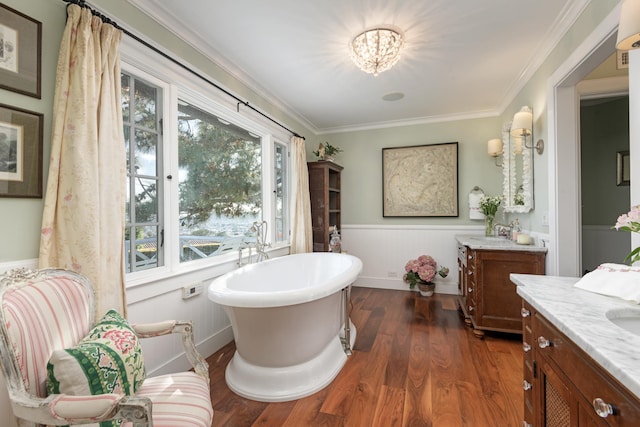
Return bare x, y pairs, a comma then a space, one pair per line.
62, 409
185, 328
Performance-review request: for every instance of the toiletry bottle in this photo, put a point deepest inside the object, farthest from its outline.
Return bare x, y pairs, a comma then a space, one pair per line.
515, 230
334, 244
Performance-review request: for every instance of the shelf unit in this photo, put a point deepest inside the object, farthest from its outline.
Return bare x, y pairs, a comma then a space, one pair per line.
324, 189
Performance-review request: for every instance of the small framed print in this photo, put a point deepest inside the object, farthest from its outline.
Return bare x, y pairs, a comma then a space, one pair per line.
20, 52
623, 168
20, 153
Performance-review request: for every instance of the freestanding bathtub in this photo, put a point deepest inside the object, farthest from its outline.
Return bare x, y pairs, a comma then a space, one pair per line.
288, 318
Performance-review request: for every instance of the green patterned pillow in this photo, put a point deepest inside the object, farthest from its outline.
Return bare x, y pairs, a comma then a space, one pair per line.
108, 360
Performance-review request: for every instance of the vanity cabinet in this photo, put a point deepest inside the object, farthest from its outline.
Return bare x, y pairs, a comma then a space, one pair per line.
564, 386
488, 298
324, 189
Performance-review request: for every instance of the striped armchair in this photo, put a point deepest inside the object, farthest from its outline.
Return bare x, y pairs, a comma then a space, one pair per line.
50, 311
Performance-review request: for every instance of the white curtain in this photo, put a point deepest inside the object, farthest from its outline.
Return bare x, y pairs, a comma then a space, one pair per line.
84, 212
301, 235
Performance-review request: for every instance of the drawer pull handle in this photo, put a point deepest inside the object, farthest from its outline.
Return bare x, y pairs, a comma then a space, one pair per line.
526, 347
543, 342
526, 385
524, 312
602, 408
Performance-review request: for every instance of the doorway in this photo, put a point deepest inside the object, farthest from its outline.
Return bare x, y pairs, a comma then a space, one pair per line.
605, 195
565, 214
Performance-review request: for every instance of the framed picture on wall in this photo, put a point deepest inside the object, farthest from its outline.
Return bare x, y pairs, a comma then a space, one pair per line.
623, 176
20, 52
420, 181
20, 153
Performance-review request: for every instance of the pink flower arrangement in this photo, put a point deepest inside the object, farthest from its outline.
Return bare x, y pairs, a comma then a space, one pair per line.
630, 222
422, 270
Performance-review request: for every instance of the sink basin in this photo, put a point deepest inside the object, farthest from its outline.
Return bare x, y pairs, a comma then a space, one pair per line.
626, 319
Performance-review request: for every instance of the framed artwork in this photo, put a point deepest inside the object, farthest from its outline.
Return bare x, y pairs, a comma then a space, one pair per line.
20, 52
623, 176
20, 153
420, 181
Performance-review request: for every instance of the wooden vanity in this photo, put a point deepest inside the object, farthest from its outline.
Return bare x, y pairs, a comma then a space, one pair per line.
579, 368
487, 298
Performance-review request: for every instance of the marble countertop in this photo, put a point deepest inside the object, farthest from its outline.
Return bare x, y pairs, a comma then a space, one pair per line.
582, 317
478, 241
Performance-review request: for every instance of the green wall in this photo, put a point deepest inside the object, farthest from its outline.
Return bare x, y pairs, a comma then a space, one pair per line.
604, 130
362, 161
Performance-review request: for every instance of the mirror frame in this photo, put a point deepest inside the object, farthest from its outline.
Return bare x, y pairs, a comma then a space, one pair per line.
509, 174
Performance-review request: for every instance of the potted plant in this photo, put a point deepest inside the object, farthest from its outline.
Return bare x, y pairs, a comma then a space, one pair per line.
422, 272
326, 151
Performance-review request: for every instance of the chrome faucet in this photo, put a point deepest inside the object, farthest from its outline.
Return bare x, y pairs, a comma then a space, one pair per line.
260, 228
503, 230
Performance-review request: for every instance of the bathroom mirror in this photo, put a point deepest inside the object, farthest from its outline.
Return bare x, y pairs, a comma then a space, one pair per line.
517, 184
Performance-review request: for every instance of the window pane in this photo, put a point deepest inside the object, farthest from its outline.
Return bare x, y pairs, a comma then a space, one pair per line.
220, 183
143, 143
281, 230
125, 97
146, 200
146, 152
145, 105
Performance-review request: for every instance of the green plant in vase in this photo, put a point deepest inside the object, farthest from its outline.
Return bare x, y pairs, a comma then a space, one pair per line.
489, 206
326, 151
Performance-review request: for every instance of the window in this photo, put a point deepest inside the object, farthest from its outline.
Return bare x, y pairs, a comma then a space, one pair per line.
196, 181
220, 184
142, 116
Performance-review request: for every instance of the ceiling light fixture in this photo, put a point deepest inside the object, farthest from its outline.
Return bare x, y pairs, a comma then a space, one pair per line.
376, 50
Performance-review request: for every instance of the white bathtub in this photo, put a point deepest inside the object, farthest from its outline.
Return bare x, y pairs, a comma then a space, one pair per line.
287, 316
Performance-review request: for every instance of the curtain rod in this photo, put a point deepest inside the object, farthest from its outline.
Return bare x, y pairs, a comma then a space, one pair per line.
104, 18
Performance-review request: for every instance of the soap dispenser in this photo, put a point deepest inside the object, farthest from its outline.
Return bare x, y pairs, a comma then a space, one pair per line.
335, 245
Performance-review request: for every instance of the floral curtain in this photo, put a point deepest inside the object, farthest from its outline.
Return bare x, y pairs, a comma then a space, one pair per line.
301, 236
84, 211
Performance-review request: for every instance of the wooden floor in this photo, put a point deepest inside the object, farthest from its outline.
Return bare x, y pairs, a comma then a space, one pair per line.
415, 363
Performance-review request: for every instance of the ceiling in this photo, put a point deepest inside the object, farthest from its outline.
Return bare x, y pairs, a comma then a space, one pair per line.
461, 59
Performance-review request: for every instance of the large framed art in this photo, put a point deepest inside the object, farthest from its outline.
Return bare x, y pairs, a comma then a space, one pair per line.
420, 181
20, 153
20, 52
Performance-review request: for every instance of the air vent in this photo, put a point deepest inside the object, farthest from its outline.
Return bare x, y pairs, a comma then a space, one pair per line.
622, 59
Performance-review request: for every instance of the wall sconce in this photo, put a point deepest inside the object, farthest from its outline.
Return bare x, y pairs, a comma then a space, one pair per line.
495, 150
629, 28
522, 126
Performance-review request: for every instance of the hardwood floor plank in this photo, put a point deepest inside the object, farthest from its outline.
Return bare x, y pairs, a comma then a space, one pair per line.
341, 390
389, 407
415, 363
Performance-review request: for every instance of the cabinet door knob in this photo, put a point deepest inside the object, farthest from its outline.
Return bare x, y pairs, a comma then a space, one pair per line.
526, 347
526, 424
470, 289
602, 408
471, 308
470, 272
524, 312
526, 385
543, 342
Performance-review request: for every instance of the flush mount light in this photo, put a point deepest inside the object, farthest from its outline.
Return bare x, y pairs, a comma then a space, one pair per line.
376, 50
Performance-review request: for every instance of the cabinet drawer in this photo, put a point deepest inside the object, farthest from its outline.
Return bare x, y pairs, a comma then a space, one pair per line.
586, 375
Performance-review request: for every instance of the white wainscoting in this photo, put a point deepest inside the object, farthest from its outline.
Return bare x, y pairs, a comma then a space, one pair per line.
385, 249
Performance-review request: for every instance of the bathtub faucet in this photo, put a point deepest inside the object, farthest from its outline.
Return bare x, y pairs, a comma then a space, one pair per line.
260, 228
